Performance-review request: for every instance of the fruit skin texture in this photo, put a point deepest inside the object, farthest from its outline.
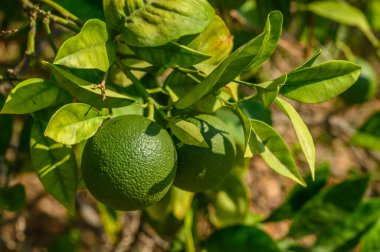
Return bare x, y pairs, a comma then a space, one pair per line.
200, 169
130, 163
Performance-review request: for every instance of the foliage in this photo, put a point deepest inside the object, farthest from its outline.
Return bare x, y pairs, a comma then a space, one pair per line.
172, 60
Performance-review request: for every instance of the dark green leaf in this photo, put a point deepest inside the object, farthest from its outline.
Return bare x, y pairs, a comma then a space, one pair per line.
87, 9
329, 208
368, 135
268, 91
351, 229
320, 83
254, 108
6, 128
303, 134
300, 195
29, 96
55, 166
170, 55
274, 151
162, 21
91, 48
12, 198
187, 133
74, 123
250, 55
240, 239
85, 91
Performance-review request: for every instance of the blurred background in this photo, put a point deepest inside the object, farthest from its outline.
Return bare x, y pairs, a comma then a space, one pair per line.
339, 211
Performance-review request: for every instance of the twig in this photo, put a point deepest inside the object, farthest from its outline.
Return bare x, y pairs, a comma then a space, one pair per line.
46, 23
102, 86
64, 12
29, 6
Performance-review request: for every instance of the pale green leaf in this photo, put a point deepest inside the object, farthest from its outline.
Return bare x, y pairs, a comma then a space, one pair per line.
370, 240
162, 21
250, 55
310, 61
91, 48
303, 134
85, 91
274, 151
29, 96
55, 166
320, 83
74, 123
188, 133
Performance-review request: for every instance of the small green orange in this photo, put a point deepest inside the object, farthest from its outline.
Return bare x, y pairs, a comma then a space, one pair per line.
199, 168
130, 163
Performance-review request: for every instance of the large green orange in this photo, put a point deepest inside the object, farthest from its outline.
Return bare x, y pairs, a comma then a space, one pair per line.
130, 163
200, 169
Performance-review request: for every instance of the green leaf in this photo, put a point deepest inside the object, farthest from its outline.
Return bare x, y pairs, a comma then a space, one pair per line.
85, 91
348, 233
240, 239
29, 96
215, 41
12, 198
55, 166
250, 55
370, 240
187, 133
170, 55
300, 195
329, 208
303, 134
249, 136
268, 91
310, 61
343, 13
91, 48
320, 83
368, 135
162, 21
230, 202
74, 123
274, 151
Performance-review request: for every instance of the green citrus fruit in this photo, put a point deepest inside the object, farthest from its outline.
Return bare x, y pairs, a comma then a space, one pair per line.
130, 163
365, 88
200, 169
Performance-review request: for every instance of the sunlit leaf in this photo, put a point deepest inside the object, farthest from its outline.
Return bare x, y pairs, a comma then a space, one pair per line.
303, 134
74, 123
162, 21
91, 48
274, 151
29, 96
320, 83
85, 90
250, 55
188, 133
55, 166
268, 91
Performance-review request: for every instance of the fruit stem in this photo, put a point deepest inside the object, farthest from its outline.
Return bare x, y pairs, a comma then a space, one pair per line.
63, 11
141, 89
